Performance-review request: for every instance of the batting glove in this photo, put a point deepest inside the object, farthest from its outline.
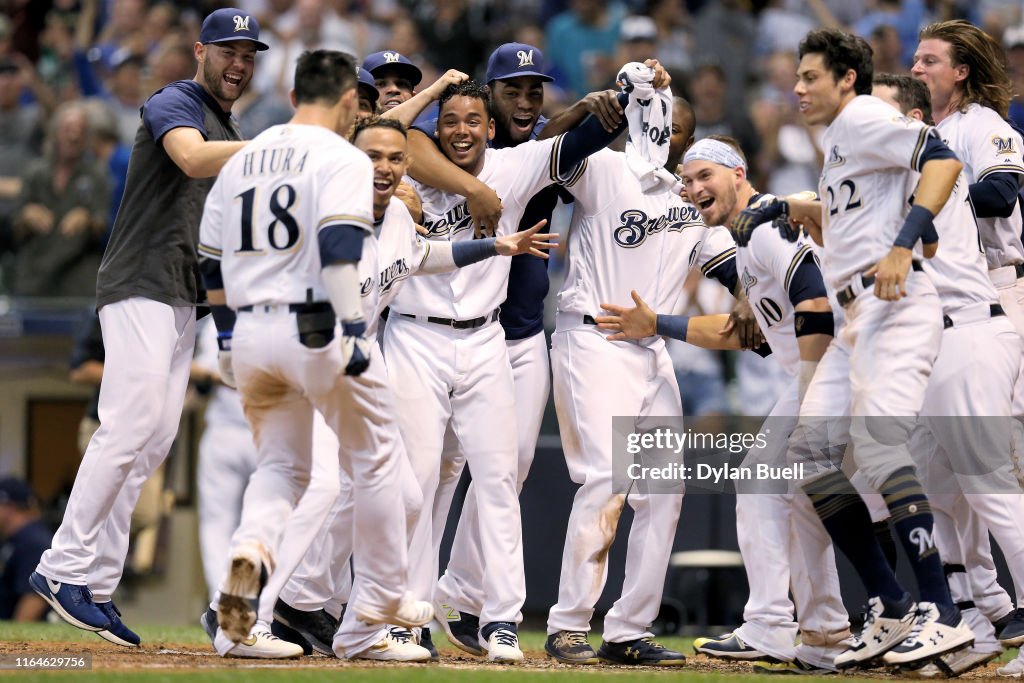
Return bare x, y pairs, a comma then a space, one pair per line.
355, 348
749, 219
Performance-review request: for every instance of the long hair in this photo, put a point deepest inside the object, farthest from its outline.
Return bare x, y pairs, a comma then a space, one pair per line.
987, 83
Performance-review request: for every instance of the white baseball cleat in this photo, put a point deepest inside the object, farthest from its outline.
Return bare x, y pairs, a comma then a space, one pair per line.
953, 664
397, 646
929, 638
240, 593
410, 614
260, 644
1013, 668
502, 646
884, 628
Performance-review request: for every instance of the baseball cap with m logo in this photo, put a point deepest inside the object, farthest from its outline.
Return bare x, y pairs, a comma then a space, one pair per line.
228, 24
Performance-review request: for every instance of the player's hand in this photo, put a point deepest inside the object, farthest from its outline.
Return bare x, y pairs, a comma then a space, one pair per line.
604, 105
75, 222
485, 207
661, 77
891, 274
530, 241
420, 230
226, 369
743, 323
638, 322
408, 195
750, 218
355, 347
450, 77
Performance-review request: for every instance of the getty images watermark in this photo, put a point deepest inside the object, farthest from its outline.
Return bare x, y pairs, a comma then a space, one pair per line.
755, 455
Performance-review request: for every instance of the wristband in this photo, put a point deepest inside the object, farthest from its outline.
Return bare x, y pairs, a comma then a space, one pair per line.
224, 340
673, 326
919, 224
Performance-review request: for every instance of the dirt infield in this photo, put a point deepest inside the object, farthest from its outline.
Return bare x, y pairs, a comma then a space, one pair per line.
166, 655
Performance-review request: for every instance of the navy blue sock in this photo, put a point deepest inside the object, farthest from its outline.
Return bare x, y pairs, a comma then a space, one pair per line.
888, 542
911, 519
848, 522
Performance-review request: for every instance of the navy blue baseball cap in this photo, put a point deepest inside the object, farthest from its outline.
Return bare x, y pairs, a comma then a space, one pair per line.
227, 24
390, 59
513, 60
17, 492
366, 79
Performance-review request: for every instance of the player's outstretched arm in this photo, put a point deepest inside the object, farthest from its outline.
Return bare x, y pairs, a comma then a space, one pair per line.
814, 326
640, 322
196, 156
602, 104
408, 111
444, 257
432, 168
806, 213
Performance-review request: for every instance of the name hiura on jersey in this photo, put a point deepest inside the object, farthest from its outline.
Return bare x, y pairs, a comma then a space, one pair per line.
869, 175
264, 213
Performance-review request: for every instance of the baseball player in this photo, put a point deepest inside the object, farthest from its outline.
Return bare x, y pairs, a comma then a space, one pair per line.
621, 238
394, 254
470, 387
395, 77
368, 94
876, 159
967, 385
289, 291
146, 293
963, 68
784, 283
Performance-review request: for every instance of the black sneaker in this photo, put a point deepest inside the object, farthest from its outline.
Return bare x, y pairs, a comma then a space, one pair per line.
640, 652
427, 643
730, 646
317, 628
462, 628
797, 667
1011, 628
570, 647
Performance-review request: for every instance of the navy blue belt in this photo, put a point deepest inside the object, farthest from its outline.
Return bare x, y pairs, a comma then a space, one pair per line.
846, 295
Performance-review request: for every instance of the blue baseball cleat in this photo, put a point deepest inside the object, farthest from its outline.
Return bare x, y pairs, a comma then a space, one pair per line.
72, 603
118, 633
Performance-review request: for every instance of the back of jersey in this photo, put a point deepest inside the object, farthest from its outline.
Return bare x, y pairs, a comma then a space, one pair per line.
263, 215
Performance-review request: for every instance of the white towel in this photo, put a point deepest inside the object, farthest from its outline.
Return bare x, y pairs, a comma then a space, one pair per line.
649, 115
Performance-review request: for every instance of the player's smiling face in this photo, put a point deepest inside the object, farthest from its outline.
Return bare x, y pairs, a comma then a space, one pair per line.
393, 88
463, 129
388, 150
818, 93
227, 69
517, 105
712, 189
933, 64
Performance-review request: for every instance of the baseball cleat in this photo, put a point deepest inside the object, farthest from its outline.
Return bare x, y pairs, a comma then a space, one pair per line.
259, 644
72, 603
427, 643
410, 614
797, 667
317, 627
570, 647
952, 665
208, 620
288, 634
501, 643
729, 646
886, 626
1013, 668
1011, 630
396, 646
117, 633
461, 628
929, 638
640, 652
240, 594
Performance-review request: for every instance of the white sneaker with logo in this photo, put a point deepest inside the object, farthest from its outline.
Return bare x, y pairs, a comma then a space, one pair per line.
260, 644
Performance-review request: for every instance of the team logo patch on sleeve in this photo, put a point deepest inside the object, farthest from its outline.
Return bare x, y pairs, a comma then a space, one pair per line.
1004, 145
835, 158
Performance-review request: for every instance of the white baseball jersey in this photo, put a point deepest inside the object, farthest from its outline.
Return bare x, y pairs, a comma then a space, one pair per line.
390, 256
958, 269
985, 143
766, 267
516, 174
270, 201
657, 238
872, 153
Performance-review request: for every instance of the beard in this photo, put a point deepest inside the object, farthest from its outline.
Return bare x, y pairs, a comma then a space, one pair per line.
215, 82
